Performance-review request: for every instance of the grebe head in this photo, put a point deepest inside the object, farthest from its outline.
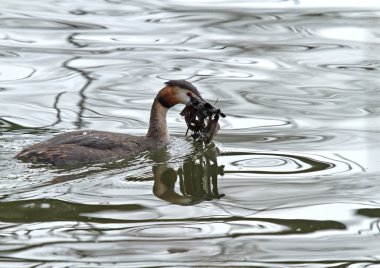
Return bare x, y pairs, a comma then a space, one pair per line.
177, 91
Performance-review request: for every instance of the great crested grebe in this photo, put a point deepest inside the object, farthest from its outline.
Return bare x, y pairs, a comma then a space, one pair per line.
88, 146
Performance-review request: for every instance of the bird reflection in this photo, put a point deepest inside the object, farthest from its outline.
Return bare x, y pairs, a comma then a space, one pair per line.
197, 176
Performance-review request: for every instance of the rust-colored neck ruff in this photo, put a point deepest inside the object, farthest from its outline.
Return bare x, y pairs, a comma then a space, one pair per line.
158, 130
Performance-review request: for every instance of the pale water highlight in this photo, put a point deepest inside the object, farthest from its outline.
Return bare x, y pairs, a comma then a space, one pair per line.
292, 179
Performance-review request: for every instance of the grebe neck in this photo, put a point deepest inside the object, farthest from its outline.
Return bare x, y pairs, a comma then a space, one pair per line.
158, 130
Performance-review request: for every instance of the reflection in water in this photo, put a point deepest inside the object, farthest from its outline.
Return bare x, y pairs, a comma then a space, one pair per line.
87, 82
278, 163
374, 226
198, 174
300, 146
46, 210
198, 178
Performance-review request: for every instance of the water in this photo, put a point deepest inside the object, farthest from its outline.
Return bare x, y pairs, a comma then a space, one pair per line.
292, 179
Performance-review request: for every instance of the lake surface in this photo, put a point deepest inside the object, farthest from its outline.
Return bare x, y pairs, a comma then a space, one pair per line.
292, 179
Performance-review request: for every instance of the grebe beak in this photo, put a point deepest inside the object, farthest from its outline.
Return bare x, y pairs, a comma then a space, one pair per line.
192, 95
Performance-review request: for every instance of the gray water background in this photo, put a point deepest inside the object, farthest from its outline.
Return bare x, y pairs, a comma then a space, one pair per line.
298, 80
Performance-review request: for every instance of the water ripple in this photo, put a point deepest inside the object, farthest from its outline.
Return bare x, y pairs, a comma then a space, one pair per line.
291, 179
14, 73
284, 164
48, 24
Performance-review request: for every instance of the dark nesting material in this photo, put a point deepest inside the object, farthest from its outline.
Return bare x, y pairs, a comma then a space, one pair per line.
202, 119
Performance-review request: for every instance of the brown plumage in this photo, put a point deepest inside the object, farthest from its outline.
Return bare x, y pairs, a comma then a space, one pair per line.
98, 146
84, 147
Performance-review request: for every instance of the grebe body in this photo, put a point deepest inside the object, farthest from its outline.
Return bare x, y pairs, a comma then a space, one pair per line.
88, 146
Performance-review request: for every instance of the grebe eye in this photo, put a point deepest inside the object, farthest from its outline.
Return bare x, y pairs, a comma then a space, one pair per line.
189, 94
